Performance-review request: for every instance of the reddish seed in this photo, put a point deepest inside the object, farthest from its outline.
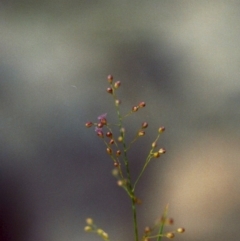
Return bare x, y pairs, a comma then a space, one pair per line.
116, 164
103, 121
142, 104
109, 150
170, 221
100, 134
89, 124
118, 153
100, 125
111, 142
109, 90
109, 134
110, 78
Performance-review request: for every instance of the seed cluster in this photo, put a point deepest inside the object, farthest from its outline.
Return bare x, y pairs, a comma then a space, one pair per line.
117, 149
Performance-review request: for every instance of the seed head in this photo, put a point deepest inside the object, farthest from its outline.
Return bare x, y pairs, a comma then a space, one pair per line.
135, 108
118, 153
154, 144
142, 104
117, 102
110, 78
156, 154
120, 183
104, 235
141, 133
116, 164
144, 125
109, 90
89, 221
120, 139
103, 121
162, 151
123, 130
161, 129
100, 125
117, 84
109, 134
170, 235
181, 230
88, 124
100, 133
109, 151
111, 142
100, 231
87, 229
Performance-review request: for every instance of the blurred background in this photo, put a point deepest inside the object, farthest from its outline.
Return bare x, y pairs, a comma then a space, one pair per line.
181, 57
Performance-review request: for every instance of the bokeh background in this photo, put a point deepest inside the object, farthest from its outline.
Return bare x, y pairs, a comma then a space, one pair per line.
181, 57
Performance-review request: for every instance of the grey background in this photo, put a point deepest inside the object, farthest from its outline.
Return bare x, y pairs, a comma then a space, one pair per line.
181, 57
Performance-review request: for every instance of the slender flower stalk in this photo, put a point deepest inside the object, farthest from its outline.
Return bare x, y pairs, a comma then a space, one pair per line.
126, 162
117, 148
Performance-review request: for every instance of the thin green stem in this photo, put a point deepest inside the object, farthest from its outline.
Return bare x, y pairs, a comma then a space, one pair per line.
132, 142
160, 233
149, 157
131, 190
135, 218
126, 162
143, 169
